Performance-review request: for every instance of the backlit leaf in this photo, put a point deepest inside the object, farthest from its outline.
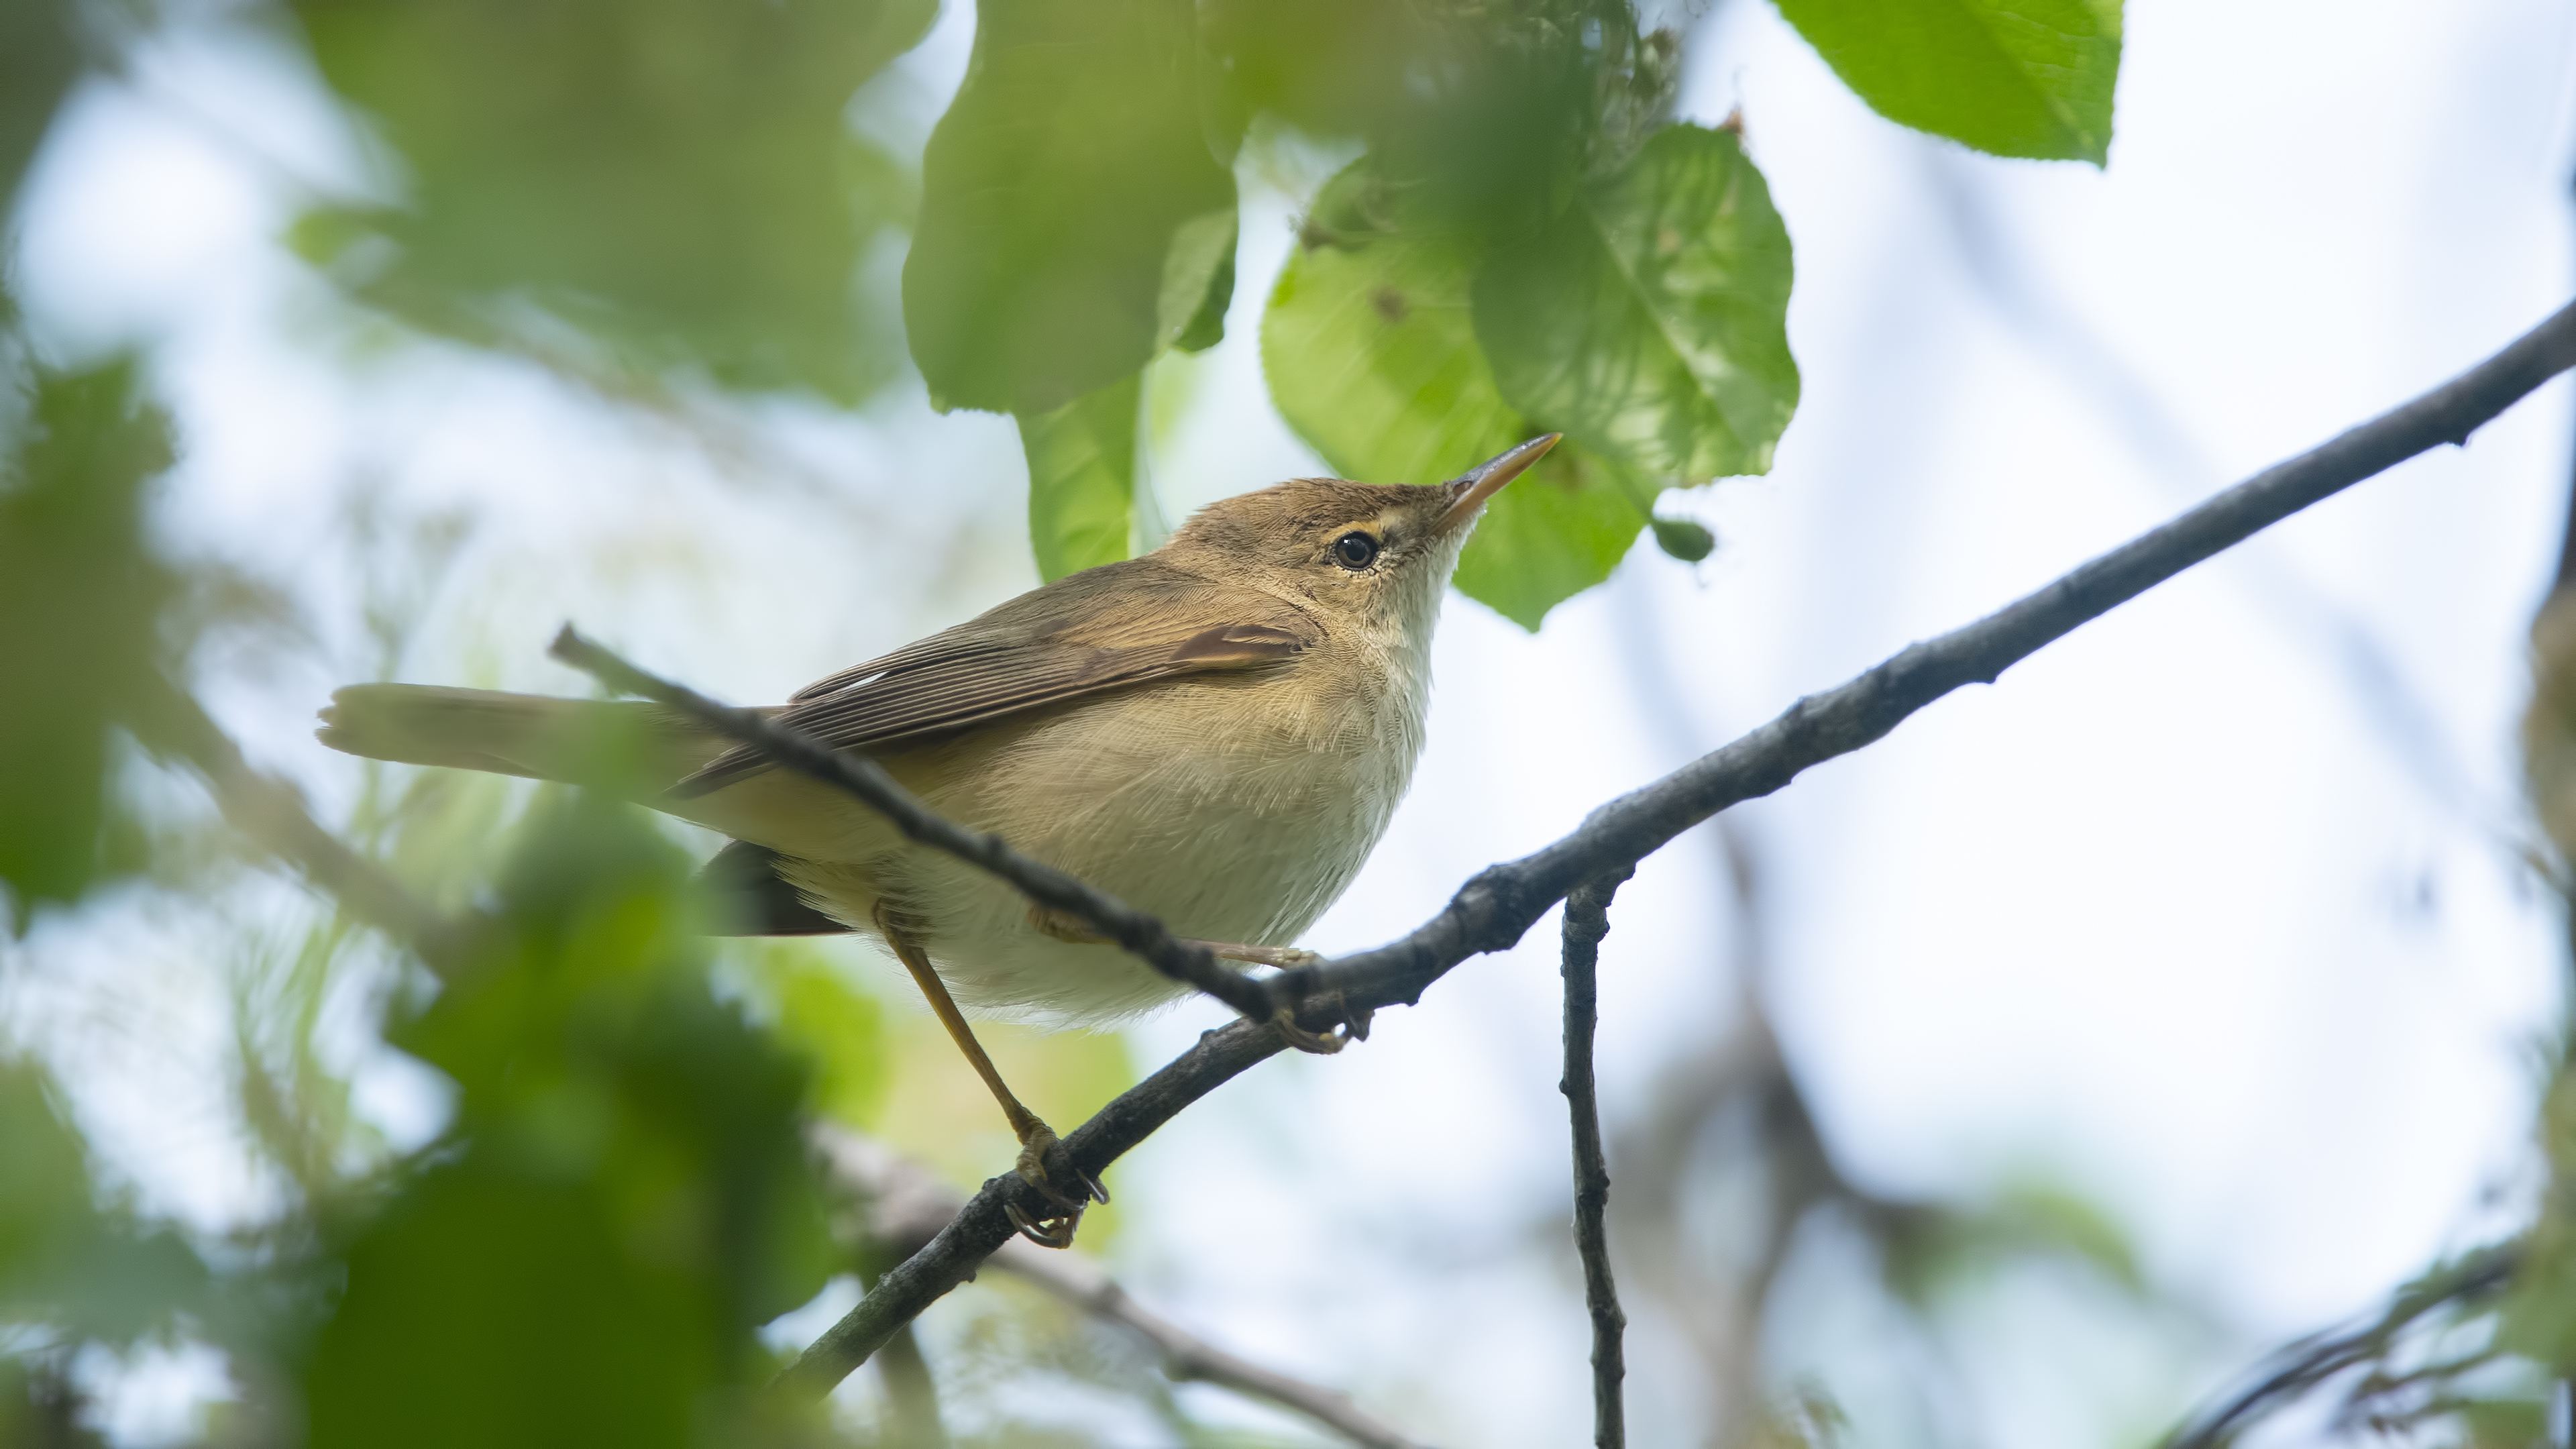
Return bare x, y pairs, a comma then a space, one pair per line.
1370, 352
1373, 359
1648, 321
1074, 219
2013, 77
1556, 531
1198, 281
1082, 479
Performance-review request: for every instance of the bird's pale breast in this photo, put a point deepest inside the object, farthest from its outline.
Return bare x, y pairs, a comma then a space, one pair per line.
1235, 808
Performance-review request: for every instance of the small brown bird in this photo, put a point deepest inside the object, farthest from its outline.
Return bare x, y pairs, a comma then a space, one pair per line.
1216, 733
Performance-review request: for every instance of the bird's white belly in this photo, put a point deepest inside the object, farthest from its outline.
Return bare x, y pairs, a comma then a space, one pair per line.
1226, 829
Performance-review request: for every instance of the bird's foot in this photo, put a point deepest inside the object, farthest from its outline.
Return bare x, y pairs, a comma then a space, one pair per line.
1283, 957
1043, 1163
1354, 1026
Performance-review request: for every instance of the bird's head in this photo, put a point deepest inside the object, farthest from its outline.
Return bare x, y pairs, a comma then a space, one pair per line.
1369, 553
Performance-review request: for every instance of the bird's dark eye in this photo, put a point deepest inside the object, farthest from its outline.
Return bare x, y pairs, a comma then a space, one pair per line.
1354, 550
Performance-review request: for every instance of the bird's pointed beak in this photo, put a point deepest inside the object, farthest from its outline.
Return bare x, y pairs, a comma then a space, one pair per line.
1487, 479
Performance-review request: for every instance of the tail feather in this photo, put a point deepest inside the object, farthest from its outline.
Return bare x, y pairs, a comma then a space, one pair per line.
579, 741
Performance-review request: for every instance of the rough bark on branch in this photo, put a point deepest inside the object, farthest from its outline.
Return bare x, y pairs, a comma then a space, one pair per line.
1587, 920
1492, 910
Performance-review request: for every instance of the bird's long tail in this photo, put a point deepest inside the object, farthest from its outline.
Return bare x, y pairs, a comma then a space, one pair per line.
614, 744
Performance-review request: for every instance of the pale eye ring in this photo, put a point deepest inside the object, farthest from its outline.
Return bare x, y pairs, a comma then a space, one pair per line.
1355, 550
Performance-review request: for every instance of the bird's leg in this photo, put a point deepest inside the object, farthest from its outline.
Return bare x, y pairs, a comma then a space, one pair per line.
1037, 1140
1064, 927
1280, 956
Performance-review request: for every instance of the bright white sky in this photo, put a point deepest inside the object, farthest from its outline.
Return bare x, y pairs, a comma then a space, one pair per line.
2211, 911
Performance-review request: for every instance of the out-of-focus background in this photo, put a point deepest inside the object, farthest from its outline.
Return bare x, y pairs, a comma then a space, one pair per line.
2016, 1082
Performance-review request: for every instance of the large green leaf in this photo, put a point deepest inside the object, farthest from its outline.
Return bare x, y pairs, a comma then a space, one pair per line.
1074, 218
1372, 358
1370, 351
2014, 77
1082, 479
79, 596
678, 177
1648, 321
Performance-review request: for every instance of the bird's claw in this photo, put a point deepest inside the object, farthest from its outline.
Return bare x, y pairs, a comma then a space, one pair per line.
1354, 1027
1043, 1163
1046, 1232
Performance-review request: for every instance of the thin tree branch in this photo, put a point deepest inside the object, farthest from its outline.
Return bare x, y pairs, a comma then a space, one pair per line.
1492, 910
1587, 920
2311, 1362
906, 1206
1148, 938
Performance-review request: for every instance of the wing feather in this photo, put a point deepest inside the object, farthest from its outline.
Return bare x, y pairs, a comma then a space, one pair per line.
1107, 628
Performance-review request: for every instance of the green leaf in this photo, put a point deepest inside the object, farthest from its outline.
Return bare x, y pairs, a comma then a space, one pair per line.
2012, 77
1372, 358
1648, 321
1369, 349
676, 177
1082, 479
1558, 530
1198, 281
1072, 213
79, 597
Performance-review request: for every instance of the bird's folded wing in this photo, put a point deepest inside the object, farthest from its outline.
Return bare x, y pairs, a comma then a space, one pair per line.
1103, 629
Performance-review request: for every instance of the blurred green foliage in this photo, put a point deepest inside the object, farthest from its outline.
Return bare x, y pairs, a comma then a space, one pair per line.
624, 1196
1077, 207
676, 182
80, 599
675, 177
67, 1261
39, 56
